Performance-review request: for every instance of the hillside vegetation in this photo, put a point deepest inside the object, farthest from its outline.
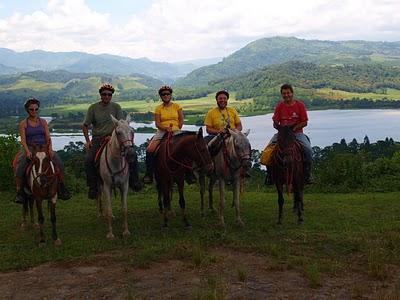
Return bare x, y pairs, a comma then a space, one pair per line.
278, 50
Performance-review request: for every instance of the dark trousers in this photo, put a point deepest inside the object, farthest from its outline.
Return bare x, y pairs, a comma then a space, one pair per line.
90, 166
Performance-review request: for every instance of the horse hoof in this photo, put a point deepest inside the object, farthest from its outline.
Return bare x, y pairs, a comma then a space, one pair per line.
23, 226
126, 233
188, 227
279, 223
41, 244
110, 236
300, 222
164, 228
57, 242
36, 225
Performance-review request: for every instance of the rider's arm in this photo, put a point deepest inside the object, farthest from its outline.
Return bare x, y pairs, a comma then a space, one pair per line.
180, 118
211, 130
22, 126
276, 125
85, 130
300, 125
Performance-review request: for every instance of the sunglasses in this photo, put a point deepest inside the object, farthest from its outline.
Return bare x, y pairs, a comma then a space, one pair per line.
33, 109
106, 94
165, 94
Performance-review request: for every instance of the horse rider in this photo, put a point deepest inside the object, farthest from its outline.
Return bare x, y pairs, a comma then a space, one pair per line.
168, 117
34, 130
98, 117
292, 112
221, 117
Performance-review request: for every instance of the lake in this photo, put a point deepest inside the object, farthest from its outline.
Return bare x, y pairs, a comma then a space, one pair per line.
325, 127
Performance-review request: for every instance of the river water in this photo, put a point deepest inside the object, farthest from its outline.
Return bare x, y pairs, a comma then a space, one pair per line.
324, 128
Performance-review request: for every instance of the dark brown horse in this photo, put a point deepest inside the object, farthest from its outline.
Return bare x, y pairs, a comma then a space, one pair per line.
177, 155
288, 169
42, 181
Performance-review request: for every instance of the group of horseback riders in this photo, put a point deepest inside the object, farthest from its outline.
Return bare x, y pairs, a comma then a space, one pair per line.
168, 118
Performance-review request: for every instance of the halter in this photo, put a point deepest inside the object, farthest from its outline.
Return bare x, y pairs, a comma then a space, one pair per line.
228, 158
122, 146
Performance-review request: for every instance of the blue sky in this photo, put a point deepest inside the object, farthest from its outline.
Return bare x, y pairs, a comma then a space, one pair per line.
178, 30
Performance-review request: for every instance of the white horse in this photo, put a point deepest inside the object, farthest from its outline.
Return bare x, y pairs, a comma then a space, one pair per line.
232, 158
114, 172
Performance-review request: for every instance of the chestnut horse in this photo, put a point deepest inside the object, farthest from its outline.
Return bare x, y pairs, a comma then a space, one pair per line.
288, 169
177, 155
42, 181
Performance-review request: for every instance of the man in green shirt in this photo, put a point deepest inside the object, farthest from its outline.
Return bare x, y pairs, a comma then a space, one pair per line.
98, 116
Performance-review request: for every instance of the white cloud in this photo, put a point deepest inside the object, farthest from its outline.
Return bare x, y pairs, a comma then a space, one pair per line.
175, 30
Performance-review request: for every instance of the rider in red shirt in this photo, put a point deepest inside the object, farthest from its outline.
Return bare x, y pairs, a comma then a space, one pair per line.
293, 112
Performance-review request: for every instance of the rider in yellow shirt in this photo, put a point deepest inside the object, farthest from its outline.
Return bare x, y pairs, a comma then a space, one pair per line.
221, 117
168, 117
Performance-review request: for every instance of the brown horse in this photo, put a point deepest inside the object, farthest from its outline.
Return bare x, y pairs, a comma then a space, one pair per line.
177, 155
42, 181
288, 169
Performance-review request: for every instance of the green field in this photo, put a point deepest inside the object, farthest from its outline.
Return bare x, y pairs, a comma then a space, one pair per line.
192, 106
391, 94
342, 233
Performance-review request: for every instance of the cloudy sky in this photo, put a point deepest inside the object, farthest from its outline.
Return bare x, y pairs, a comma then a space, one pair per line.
178, 30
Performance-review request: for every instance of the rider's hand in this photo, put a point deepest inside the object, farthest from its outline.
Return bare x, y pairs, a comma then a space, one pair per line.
169, 129
88, 145
29, 154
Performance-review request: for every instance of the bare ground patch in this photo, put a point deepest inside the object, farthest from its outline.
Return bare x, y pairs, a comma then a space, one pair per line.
228, 274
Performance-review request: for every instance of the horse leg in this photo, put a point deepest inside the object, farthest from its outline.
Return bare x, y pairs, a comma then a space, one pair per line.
25, 209
298, 197
202, 183
124, 195
41, 221
221, 201
106, 191
182, 203
281, 200
166, 195
31, 201
210, 193
53, 219
236, 200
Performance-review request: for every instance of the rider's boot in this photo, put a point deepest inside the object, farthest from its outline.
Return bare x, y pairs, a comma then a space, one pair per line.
307, 173
148, 177
134, 182
21, 195
63, 192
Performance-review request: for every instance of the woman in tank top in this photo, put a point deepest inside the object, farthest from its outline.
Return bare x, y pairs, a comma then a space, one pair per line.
34, 131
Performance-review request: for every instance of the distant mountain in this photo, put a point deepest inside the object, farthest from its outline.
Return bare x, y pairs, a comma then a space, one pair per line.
309, 76
200, 62
81, 62
7, 70
277, 50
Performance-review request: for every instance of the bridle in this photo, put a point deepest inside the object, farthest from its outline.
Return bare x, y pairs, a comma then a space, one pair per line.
182, 164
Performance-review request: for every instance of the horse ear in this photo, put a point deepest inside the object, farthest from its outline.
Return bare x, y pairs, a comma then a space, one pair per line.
128, 118
115, 121
200, 132
246, 133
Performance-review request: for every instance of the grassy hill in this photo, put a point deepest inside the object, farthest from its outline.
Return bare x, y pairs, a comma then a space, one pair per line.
277, 50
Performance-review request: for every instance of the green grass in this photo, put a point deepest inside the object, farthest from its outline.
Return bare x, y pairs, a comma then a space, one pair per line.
391, 94
28, 83
342, 232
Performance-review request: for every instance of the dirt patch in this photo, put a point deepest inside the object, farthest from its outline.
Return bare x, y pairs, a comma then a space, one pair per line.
229, 274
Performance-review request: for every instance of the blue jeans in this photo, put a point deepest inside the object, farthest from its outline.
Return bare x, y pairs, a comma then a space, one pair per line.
303, 140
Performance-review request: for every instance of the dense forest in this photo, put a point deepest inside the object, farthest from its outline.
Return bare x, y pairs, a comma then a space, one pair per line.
341, 167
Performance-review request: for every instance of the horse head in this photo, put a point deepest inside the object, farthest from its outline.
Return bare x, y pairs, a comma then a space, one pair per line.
201, 156
286, 144
239, 149
123, 136
43, 177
